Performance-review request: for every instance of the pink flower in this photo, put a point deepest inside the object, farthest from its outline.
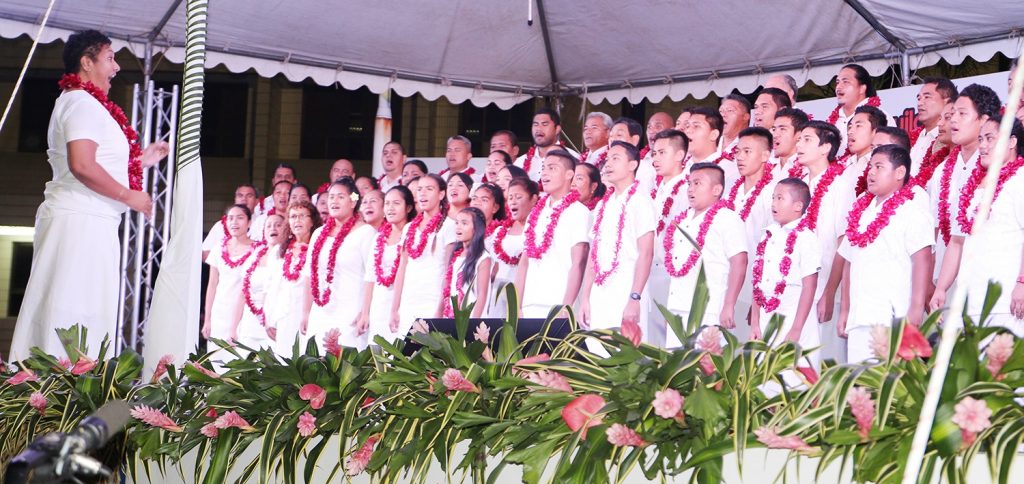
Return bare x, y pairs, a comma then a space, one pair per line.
154, 418
487, 354
533, 360
550, 379
161, 367
419, 326
972, 415
862, 408
913, 344
22, 376
621, 436
667, 403
331, 342
83, 365
880, 336
64, 363
38, 401
710, 340
231, 419
998, 352
631, 331
211, 413
707, 364
203, 370
209, 430
314, 394
769, 436
809, 374
307, 424
454, 381
482, 333
357, 462
582, 413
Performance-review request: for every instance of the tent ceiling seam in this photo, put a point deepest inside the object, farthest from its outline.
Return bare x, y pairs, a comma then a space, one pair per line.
543, 18
875, 24
163, 21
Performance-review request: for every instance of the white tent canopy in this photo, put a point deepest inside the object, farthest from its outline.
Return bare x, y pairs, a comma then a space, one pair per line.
484, 51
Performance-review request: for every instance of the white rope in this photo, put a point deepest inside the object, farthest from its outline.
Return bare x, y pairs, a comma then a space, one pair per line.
24, 68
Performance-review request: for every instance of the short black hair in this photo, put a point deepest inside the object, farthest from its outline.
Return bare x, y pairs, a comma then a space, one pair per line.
570, 161
507, 158
551, 114
900, 137
631, 124
986, 102
779, 97
742, 100
897, 155
1017, 131
396, 143
719, 176
632, 153
712, 116
797, 116
350, 186
374, 182
82, 43
418, 164
827, 134
943, 86
863, 78
516, 172
289, 167
876, 117
759, 132
676, 137
511, 136
798, 189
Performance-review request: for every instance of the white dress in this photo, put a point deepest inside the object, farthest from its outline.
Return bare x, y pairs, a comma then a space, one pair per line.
229, 291
506, 274
383, 296
251, 331
424, 276
74, 278
283, 305
468, 287
346, 299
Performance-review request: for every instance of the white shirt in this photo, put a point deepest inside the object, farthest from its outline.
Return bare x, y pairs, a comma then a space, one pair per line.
646, 175
538, 160
881, 273
726, 237
728, 166
593, 156
835, 206
855, 166
961, 172
547, 277
804, 261
920, 148
994, 252
760, 210
386, 184
780, 167
476, 176
842, 123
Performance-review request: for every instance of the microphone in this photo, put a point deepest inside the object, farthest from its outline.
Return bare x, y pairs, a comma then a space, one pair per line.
95, 430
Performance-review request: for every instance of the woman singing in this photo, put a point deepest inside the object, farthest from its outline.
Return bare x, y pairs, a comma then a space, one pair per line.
97, 174
227, 267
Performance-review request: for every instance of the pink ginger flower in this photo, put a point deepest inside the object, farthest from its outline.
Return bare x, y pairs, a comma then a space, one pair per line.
972, 415
667, 403
862, 408
531, 360
25, 375
64, 363
307, 424
880, 336
582, 413
209, 430
357, 462
331, 344
769, 436
419, 326
161, 367
454, 381
487, 355
998, 352
38, 401
231, 419
621, 436
154, 418
83, 365
709, 341
631, 331
314, 394
482, 333
550, 379
203, 370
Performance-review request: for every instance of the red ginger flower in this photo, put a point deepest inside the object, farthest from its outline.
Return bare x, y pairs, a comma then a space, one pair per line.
582, 413
231, 419
862, 408
331, 344
22, 376
454, 381
314, 394
83, 365
621, 436
998, 351
161, 367
357, 462
155, 418
769, 436
209, 430
38, 401
550, 379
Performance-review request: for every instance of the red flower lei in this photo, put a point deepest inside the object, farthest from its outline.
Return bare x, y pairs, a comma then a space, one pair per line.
323, 188
73, 81
469, 171
862, 181
530, 245
766, 178
321, 299
811, 218
771, 304
247, 286
499, 240
643, 152
929, 164
881, 221
873, 101
600, 158
945, 222
971, 187
528, 160
224, 225
383, 233
669, 240
797, 170
592, 203
666, 206
602, 275
226, 256
415, 249
492, 226
915, 134
728, 155
290, 273
447, 290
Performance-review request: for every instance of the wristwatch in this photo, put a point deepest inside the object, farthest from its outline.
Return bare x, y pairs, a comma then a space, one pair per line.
634, 296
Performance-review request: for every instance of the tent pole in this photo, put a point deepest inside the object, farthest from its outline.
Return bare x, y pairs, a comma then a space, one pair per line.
381, 130
905, 68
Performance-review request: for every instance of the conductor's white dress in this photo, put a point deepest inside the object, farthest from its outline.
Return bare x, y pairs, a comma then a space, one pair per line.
76, 253
346, 300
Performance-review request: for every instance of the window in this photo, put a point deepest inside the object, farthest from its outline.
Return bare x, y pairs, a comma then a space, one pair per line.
225, 115
337, 123
478, 124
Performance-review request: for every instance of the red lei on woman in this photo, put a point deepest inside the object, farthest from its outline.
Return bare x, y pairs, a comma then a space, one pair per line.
499, 242
592, 203
772, 303
225, 255
669, 240
811, 218
469, 171
447, 290
73, 81
971, 188
290, 273
414, 248
321, 299
945, 216
602, 275
531, 248
666, 207
766, 178
247, 286
881, 221
378, 256
873, 101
